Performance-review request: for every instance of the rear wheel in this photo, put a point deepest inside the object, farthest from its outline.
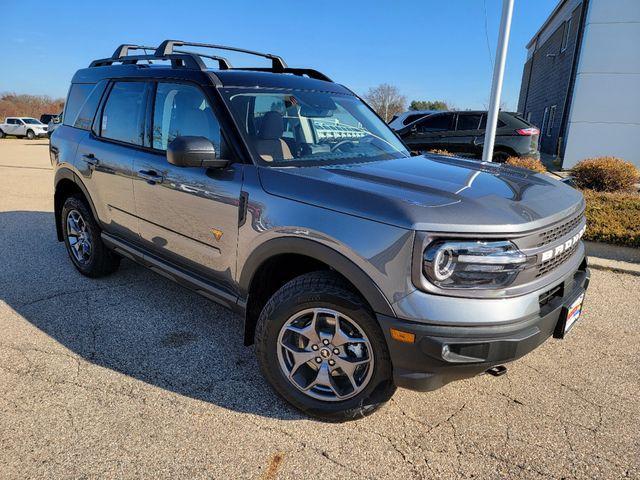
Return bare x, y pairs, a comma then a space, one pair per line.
322, 350
500, 157
2, 134
81, 235
30, 135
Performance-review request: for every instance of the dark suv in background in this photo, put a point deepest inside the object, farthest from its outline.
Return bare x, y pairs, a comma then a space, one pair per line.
463, 133
280, 194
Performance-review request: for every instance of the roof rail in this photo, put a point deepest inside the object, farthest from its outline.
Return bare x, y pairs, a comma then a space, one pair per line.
309, 72
223, 63
167, 48
178, 60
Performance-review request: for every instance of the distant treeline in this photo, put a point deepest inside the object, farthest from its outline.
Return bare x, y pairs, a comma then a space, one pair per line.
13, 105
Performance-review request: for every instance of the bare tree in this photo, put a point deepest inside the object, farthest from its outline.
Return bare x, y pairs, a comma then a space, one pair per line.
386, 100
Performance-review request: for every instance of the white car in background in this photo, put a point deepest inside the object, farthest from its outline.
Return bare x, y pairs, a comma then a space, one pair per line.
23, 127
405, 118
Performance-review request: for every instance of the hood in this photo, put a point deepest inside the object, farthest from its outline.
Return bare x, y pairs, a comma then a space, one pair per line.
431, 193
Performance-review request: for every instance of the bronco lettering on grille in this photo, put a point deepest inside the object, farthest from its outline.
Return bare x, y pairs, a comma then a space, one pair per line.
554, 252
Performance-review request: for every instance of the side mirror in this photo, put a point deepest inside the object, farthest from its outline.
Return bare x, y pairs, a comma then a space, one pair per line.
190, 151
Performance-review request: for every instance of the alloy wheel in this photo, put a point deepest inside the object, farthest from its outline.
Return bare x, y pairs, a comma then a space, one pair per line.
325, 354
79, 236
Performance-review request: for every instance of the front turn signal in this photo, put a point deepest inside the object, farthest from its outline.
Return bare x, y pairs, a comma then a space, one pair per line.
404, 337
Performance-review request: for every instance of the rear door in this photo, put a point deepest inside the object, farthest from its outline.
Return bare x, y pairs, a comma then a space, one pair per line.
105, 157
467, 128
188, 216
430, 132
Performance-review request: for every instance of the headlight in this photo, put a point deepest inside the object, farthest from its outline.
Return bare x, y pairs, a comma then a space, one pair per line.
480, 265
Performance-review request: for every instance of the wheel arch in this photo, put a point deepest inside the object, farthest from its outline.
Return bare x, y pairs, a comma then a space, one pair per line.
301, 256
66, 184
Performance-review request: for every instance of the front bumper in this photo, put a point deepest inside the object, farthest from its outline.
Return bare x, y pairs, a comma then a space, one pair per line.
444, 353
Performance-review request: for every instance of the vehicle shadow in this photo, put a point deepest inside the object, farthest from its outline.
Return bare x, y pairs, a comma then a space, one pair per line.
133, 322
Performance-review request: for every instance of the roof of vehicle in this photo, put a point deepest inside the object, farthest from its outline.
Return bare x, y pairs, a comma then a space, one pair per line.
167, 62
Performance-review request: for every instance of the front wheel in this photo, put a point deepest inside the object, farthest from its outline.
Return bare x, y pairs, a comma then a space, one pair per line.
30, 135
322, 350
500, 157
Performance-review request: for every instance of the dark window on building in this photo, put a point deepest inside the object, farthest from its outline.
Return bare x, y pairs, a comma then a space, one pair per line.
182, 110
552, 118
123, 114
469, 121
88, 110
436, 123
77, 96
565, 35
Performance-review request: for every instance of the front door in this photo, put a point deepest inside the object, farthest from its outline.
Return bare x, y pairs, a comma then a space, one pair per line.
188, 216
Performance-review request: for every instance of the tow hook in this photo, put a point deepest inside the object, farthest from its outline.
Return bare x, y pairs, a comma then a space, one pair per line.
497, 371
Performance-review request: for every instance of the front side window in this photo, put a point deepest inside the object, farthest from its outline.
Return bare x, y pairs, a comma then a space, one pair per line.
123, 114
469, 121
182, 110
436, 123
297, 128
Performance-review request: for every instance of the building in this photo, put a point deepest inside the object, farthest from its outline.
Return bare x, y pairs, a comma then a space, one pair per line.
581, 81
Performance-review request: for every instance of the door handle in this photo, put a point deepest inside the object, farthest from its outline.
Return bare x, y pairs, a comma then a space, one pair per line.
91, 159
151, 176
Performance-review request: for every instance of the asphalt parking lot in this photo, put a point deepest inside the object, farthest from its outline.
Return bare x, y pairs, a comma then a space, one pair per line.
133, 376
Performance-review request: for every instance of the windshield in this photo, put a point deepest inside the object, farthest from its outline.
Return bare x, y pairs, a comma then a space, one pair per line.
298, 128
32, 121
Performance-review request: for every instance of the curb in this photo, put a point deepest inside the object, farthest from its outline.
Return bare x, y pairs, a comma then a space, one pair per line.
598, 263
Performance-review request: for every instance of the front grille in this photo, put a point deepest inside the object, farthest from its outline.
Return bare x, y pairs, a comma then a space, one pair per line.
559, 231
553, 263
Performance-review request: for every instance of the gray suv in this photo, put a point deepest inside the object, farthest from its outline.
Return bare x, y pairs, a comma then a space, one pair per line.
356, 267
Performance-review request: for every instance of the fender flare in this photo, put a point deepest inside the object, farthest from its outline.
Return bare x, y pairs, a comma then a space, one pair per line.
68, 174
341, 264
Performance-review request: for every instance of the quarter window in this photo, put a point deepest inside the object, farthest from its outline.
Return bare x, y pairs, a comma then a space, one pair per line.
78, 94
182, 110
123, 114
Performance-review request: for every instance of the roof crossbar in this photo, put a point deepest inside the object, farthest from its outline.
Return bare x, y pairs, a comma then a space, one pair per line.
123, 50
167, 48
223, 63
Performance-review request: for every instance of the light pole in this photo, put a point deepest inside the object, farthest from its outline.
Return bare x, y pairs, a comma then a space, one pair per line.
498, 75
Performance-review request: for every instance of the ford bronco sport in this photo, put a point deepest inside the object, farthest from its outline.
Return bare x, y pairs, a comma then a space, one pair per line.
280, 194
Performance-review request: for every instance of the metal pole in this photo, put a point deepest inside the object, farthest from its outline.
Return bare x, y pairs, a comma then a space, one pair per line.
498, 75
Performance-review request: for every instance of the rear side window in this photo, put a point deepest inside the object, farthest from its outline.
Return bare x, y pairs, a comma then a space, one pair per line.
88, 110
469, 121
123, 114
483, 123
182, 110
436, 123
78, 94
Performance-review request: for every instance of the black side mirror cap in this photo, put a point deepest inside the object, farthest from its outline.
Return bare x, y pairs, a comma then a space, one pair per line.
189, 151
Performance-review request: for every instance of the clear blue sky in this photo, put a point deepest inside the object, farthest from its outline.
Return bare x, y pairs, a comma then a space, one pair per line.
429, 49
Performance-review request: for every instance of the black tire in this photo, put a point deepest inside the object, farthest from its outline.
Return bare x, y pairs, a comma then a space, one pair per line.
2, 134
30, 135
500, 157
101, 261
328, 290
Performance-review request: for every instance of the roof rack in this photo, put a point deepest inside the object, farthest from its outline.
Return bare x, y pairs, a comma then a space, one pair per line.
166, 48
188, 59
